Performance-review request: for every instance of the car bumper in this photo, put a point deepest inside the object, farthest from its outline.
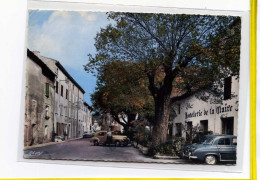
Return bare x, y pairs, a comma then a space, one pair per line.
189, 155
193, 157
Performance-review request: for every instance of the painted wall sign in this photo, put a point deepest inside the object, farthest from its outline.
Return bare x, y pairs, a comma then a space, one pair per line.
218, 110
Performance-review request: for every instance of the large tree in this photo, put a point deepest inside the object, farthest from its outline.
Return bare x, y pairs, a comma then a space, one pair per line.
176, 52
122, 91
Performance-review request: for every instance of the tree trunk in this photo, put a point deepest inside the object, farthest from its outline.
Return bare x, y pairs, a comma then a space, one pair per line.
162, 100
162, 114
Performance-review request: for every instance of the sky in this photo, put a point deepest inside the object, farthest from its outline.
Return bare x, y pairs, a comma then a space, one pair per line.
68, 37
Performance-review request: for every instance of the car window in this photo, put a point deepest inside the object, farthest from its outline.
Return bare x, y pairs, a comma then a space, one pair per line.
234, 141
101, 134
208, 140
224, 141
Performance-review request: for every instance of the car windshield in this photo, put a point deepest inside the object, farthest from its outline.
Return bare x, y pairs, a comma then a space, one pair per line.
202, 139
208, 140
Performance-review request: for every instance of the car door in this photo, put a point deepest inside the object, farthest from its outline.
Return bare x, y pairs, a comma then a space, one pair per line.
234, 148
102, 137
225, 149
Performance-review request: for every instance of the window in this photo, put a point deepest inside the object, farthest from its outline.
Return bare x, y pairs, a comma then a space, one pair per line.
227, 88
47, 90
179, 108
178, 129
67, 93
46, 130
47, 116
61, 108
61, 90
224, 141
57, 87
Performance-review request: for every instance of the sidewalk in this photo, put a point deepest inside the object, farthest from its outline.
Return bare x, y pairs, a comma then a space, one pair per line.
48, 144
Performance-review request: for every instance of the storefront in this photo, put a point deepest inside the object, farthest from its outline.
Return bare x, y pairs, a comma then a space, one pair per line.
206, 116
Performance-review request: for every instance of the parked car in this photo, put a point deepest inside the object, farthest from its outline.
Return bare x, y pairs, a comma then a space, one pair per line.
88, 134
213, 149
59, 138
101, 138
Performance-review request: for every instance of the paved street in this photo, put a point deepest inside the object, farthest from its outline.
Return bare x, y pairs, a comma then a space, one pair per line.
82, 149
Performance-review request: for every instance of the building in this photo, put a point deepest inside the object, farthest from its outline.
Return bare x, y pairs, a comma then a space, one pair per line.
109, 123
39, 101
87, 118
211, 116
68, 100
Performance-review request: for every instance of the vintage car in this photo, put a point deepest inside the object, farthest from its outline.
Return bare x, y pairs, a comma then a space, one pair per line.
101, 138
212, 149
59, 139
88, 134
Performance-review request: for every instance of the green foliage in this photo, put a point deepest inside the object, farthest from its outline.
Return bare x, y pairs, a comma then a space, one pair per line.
142, 136
142, 52
167, 148
122, 89
193, 46
179, 142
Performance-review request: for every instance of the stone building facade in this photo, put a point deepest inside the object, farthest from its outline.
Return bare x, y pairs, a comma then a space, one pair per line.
39, 101
211, 116
68, 99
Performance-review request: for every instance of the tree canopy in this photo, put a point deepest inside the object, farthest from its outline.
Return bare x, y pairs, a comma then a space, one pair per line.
175, 51
122, 90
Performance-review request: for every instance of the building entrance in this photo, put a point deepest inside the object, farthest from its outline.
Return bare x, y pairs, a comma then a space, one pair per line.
204, 126
189, 132
228, 125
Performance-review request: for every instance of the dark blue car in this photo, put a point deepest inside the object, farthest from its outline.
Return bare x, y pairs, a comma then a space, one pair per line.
213, 148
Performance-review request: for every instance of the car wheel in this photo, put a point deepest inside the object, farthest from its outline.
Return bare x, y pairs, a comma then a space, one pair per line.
210, 159
117, 143
95, 143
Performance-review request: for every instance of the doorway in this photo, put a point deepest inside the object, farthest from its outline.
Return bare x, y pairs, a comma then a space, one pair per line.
228, 125
204, 126
189, 132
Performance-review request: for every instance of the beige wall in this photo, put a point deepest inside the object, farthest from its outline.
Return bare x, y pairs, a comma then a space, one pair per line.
38, 108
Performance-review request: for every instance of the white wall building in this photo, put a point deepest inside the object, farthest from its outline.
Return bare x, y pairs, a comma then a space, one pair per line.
219, 118
68, 99
87, 118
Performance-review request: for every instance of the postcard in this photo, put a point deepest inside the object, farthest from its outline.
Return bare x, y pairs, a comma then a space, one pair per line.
132, 87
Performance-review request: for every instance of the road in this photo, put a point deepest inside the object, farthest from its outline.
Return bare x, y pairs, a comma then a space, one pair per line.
82, 149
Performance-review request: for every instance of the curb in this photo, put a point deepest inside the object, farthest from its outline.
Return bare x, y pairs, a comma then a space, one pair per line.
165, 157
48, 144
